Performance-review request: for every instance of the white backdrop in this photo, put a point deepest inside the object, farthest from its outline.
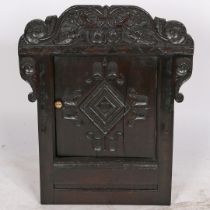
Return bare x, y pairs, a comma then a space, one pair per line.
19, 170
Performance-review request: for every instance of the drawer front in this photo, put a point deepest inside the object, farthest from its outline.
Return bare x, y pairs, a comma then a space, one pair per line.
107, 106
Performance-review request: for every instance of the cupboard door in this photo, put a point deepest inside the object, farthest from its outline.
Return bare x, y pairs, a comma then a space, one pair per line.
108, 102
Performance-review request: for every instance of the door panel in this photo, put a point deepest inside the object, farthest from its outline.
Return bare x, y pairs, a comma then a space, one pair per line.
108, 104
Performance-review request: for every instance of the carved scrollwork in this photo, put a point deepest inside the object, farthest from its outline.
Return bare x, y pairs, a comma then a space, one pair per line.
173, 31
183, 68
97, 37
38, 30
100, 36
69, 31
114, 26
29, 74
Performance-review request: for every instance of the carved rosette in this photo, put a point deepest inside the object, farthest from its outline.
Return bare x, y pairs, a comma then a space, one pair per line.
38, 31
173, 31
183, 71
114, 26
29, 74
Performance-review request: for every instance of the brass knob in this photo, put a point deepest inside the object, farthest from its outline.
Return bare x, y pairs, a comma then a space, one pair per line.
58, 104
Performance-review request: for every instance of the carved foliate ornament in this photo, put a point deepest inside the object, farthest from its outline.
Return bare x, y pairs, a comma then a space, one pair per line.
80, 29
113, 26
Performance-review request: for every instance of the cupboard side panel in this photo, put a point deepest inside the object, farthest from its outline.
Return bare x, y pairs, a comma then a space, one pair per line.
46, 126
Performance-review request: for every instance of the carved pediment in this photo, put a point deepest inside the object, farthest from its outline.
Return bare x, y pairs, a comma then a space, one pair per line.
115, 27
103, 29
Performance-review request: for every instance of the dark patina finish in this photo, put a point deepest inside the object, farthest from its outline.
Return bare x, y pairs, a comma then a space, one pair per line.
105, 79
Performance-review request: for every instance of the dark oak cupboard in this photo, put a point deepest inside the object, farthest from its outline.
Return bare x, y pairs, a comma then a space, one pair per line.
105, 79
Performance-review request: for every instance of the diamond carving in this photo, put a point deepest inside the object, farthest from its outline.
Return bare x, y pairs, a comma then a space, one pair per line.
105, 106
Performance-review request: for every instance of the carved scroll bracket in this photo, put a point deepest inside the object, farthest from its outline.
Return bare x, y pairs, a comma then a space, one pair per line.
183, 67
29, 74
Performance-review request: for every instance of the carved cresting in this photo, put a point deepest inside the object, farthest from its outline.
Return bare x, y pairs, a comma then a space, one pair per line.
115, 26
109, 29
